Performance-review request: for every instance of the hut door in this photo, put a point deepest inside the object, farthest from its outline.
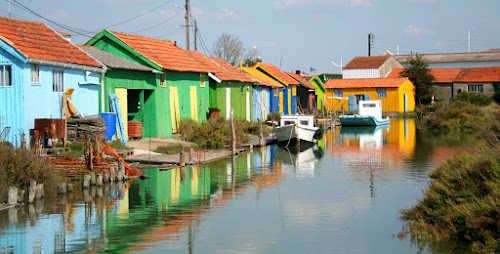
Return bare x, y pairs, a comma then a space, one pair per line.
174, 108
194, 103
121, 93
264, 104
248, 105
228, 102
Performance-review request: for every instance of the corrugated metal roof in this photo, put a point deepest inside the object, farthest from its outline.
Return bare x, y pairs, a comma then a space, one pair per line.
456, 57
113, 61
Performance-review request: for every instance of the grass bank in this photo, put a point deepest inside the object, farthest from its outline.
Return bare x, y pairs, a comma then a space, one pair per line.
216, 133
462, 205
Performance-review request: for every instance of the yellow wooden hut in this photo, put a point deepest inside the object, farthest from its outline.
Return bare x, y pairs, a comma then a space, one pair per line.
397, 94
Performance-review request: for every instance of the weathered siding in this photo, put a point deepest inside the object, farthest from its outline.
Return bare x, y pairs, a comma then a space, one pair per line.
152, 112
41, 101
183, 81
442, 91
12, 99
488, 88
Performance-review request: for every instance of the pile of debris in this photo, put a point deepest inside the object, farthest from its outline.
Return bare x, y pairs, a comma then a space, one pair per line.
77, 128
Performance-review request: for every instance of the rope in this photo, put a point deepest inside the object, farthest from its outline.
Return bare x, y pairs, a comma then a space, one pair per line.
290, 136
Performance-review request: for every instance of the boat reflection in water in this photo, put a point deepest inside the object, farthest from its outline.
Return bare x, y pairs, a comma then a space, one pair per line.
301, 160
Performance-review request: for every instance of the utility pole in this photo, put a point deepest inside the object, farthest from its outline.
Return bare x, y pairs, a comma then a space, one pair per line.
187, 24
195, 36
371, 37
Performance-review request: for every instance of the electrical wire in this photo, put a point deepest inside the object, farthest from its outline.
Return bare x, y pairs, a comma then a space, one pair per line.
140, 15
69, 28
159, 24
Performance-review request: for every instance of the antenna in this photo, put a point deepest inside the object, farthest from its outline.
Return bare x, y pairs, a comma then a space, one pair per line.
468, 40
371, 38
341, 66
10, 15
187, 24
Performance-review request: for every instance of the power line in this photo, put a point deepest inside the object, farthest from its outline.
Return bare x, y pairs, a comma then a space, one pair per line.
140, 15
159, 24
72, 29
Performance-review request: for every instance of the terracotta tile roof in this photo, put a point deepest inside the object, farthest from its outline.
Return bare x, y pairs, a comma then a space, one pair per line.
63, 33
231, 69
365, 83
263, 78
37, 41
302, 79
445, 75
366, 62
487, 74
278, 73
162, 52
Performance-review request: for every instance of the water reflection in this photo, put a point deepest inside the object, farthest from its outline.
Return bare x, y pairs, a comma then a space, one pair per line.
278, 200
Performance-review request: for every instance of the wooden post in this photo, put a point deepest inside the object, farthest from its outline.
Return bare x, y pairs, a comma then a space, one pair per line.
86, 181
13, 195
39, 193
191, 152
182, 160
233, 133
62, 188
32, 190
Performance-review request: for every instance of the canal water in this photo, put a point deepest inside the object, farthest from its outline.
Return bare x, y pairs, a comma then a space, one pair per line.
342, 196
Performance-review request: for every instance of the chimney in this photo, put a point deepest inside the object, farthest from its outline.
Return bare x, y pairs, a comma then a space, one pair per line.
175, 43
297, 72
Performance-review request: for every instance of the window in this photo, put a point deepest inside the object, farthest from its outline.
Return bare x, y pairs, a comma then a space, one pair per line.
304, 122
475, 88
162, 80
35, 73
338, 93
5, 75
381, 92
202, 80
58, 80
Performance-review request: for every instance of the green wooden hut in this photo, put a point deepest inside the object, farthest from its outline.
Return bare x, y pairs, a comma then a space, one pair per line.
184, 79
320, 90
138, 90
229, 89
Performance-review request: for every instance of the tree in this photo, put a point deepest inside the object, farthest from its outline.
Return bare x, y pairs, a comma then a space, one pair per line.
419, 74
230, 48
251, 58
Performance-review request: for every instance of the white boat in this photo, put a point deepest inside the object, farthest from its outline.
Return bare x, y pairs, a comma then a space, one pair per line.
370, 113
295, 128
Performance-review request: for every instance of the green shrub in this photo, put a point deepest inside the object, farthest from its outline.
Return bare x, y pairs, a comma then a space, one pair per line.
18, 166
462, 204
274, 116
477, 99
216, 133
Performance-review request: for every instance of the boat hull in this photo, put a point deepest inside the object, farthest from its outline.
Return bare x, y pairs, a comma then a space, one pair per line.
292, 133
359, 120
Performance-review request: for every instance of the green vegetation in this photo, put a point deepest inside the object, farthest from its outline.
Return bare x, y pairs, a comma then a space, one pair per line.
18, 166
462, 205
117, 144
473, 98
173, 149
419, 74
216, 133
462, 117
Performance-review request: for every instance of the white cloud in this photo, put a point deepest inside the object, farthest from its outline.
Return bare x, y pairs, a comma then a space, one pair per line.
415, 30
283, 4
58, 14
226, 13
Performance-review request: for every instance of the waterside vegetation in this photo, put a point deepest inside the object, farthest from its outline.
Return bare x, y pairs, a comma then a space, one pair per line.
461, 208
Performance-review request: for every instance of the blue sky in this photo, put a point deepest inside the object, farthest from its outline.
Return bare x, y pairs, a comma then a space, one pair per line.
299, 34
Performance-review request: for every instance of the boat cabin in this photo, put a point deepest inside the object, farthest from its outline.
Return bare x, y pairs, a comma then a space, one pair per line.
307, 120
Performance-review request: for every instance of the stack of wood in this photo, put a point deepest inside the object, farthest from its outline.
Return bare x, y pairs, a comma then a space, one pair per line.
78, 127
